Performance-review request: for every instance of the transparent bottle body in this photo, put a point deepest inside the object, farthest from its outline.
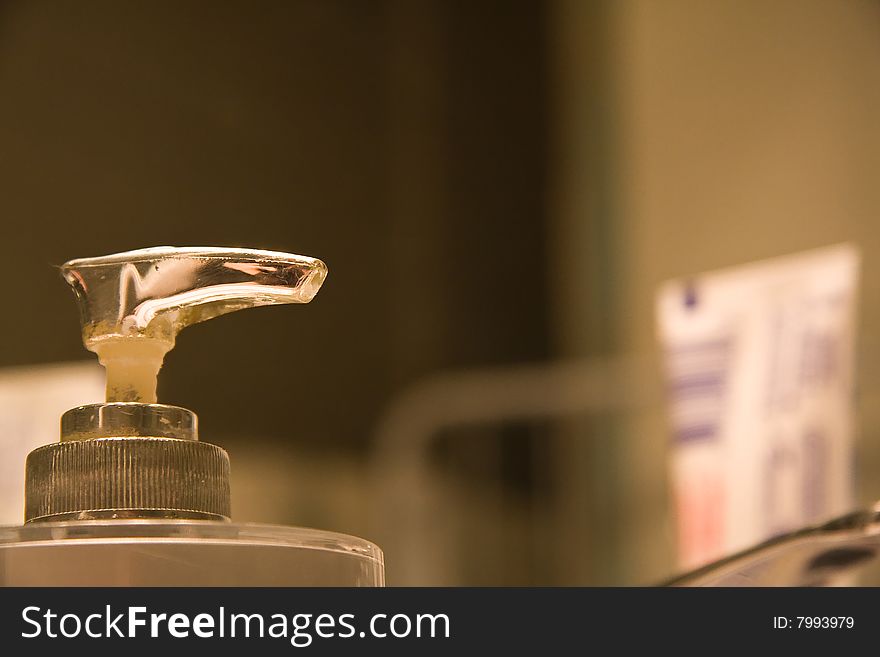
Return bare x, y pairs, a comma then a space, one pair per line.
183, 553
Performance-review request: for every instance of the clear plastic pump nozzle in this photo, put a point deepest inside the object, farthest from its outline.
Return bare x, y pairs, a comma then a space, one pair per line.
131, 457
133, 304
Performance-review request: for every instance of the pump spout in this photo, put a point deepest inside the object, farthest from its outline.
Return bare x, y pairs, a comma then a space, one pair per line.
133, 304
131, 457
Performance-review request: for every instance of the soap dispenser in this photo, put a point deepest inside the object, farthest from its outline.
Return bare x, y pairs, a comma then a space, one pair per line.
131, 496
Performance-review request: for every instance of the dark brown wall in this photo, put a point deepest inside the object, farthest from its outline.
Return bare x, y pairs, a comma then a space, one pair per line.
401, 142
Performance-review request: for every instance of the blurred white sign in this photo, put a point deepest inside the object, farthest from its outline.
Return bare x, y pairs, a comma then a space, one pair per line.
32, 400
759, 363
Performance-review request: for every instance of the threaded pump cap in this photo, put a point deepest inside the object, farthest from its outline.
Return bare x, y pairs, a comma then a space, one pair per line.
127, 460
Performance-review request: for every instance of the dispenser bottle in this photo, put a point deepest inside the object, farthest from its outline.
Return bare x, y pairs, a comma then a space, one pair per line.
130, 496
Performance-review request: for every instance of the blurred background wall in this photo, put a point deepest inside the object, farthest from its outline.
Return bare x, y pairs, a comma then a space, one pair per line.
491, 184
746, 130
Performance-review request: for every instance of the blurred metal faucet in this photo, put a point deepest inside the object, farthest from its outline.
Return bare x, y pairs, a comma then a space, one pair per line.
812, 556
412, 540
